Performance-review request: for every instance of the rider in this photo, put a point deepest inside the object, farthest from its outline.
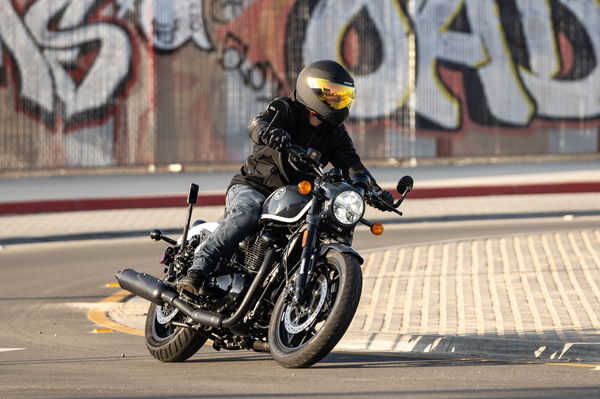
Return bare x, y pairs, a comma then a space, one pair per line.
311, 118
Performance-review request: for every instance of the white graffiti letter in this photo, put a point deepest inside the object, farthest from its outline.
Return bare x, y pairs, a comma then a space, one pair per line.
435, 42
570, 99
34, 71
170, 23
507, 100
111, 65
383, 91
539, 36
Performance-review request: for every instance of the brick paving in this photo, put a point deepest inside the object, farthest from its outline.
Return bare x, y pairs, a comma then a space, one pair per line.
535, 286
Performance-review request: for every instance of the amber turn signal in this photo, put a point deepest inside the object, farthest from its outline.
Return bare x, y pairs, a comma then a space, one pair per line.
377, 229
304, 187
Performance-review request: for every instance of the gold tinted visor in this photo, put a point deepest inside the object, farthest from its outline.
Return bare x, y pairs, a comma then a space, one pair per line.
336, 95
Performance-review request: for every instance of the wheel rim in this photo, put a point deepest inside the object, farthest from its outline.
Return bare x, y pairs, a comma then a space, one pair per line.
162, 328
299, 325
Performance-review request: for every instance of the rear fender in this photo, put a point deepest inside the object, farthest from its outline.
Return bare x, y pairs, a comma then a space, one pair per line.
197, 229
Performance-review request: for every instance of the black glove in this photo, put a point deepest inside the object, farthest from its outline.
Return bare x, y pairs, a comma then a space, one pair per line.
276, 138
385, 196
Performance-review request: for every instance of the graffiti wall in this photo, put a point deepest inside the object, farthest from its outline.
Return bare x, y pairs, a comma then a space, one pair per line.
92, 83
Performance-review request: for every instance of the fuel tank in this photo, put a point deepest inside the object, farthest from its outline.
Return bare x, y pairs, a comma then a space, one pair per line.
285, 205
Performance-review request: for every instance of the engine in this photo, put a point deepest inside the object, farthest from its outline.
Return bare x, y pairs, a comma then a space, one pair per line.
225, 289
254, 249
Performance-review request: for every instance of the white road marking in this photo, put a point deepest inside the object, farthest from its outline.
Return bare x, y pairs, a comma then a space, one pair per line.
11, 349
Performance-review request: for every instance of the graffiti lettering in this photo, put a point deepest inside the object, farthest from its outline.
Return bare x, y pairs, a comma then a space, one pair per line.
500, 91
505, 97
168, 24
36, 82
225, 10
440, 66
254, 75
389, 82
435, 43
560, 98
44, 58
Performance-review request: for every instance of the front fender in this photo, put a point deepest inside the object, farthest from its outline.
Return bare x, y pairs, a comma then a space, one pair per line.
345, 249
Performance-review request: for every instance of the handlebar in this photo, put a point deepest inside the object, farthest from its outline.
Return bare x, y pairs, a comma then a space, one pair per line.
310, 157
371, 196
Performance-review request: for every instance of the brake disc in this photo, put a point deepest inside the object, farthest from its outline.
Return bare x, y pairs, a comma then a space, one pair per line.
293, 314
165, 314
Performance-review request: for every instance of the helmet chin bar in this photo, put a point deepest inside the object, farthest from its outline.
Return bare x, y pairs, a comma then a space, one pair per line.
314, 118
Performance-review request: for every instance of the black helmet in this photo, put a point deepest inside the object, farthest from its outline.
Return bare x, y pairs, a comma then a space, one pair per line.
326, 88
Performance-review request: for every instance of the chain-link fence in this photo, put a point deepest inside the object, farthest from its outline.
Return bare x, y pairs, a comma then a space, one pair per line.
111, 83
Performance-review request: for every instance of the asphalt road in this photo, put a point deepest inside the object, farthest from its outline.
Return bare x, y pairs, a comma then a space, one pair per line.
47, 290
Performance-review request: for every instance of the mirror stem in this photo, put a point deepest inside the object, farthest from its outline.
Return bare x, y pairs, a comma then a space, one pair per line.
192, 197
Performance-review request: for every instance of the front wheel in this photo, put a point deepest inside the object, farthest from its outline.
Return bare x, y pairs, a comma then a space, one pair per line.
166, 342
301, 335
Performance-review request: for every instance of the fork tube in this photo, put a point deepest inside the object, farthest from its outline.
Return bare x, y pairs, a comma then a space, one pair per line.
308, 246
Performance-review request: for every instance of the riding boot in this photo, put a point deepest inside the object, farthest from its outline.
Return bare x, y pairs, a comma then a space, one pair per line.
191, 282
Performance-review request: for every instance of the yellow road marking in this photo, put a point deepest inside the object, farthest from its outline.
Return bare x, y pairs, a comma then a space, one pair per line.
102, 330
112, 285
100, 317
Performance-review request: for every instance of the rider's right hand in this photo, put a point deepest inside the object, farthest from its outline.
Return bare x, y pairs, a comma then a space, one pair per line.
276, 138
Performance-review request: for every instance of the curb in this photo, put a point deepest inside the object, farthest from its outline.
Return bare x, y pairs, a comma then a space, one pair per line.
218, 199
96, 204
482, 347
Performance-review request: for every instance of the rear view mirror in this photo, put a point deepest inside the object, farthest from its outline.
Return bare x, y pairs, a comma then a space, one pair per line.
193, 195
405, 185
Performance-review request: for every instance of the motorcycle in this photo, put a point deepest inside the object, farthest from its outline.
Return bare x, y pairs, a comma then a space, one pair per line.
291, 288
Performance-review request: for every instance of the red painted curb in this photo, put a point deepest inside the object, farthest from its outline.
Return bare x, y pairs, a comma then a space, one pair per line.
179, 200
94, 204
515, 189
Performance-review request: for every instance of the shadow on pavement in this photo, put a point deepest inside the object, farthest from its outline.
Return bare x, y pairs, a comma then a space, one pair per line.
355, 360
369, 360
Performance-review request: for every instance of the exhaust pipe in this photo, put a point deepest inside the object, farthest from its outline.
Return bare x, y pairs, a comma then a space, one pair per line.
156, 291
142, 285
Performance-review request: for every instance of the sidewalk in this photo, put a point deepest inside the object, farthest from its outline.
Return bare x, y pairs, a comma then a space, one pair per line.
84, 193
525, 297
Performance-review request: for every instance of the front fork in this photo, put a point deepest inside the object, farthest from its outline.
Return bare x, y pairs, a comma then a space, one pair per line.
308, 249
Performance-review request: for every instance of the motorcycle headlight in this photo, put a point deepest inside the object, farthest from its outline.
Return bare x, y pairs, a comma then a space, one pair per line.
348, 207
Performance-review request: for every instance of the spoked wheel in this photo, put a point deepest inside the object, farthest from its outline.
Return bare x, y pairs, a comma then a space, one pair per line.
166, 342
302, 334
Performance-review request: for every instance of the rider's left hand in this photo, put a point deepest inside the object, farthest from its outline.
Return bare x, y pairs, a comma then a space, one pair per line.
386, 196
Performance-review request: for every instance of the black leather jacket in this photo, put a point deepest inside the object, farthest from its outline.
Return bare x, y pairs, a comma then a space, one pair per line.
267, 169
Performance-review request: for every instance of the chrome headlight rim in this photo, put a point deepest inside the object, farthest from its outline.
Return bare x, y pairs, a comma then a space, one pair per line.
358, 201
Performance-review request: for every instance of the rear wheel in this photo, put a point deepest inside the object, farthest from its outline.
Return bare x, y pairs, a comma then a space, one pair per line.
166, 342
301, 335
